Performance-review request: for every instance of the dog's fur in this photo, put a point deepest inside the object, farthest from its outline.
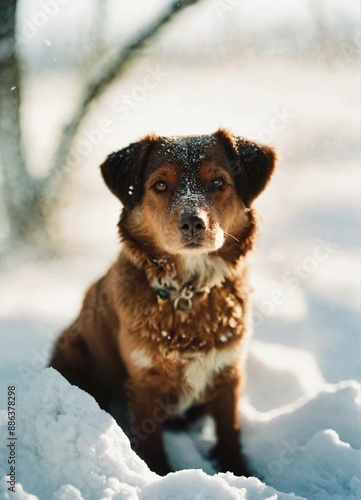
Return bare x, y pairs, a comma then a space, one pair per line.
166, 328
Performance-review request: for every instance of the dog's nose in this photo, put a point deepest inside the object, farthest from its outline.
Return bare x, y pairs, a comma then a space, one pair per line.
191, 225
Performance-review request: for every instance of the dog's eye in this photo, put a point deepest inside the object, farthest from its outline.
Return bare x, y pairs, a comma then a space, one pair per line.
218, 183
160, 186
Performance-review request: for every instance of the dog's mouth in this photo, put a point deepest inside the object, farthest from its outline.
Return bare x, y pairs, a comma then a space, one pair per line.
197, 245
208, 241
189, 246
193, 246
193, 243
196, 241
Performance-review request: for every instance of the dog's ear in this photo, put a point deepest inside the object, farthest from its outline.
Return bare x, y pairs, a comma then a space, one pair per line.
257, 166
123, 171
252, 165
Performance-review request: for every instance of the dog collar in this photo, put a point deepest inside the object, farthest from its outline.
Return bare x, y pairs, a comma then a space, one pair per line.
182, 299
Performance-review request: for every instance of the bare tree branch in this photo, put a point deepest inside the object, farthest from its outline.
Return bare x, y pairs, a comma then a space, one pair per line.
98, 82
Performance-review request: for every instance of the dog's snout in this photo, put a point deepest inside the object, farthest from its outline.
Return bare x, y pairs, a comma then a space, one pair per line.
191, 225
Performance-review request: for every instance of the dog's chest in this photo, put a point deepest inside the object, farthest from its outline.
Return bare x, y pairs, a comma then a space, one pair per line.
199, 311
189, 374
183, 352
214, 320
188, 351
199, 372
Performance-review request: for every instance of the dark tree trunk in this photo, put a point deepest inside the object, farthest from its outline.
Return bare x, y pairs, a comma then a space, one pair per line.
19, 190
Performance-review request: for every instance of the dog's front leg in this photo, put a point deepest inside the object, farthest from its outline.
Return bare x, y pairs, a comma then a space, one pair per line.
223, 408
149, 413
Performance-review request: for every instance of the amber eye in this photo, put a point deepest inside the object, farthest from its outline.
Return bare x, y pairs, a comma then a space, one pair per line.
218, 183
160, 186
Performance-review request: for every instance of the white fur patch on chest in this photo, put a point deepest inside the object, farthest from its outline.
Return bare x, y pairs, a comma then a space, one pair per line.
199, 373
209, 270
140, 358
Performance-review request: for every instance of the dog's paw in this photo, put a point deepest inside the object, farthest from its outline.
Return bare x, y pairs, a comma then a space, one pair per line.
161, 469
238, 468
225, 463
159, 465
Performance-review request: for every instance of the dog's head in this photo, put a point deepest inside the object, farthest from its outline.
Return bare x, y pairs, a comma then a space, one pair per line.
188, 195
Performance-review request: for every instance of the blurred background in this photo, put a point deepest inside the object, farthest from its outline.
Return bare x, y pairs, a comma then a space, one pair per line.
79, 80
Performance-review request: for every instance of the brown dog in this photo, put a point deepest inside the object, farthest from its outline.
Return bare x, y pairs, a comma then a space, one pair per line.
166, 328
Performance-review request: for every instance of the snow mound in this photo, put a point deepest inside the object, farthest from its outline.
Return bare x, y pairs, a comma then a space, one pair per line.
275, 366
64, 438
70, 449
311, 446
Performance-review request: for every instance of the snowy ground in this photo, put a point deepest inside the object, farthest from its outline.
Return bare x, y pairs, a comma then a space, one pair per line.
301, 414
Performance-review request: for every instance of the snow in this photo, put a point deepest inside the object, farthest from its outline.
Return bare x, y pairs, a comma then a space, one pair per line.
67, 448
301, 412
64, 438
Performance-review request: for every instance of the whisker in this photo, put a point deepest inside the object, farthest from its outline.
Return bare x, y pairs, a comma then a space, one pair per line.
154, 249
149, 243
231, 235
